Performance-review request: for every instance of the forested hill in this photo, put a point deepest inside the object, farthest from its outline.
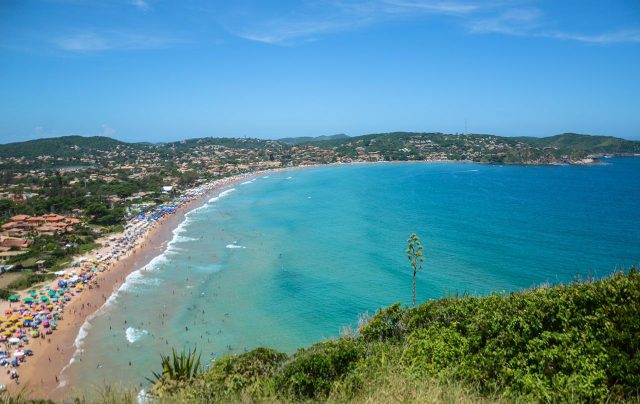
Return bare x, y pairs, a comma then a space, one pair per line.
568, 148
590, 144
64, 146
564, 148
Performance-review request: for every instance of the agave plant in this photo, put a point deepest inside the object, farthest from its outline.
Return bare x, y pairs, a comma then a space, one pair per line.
178, 367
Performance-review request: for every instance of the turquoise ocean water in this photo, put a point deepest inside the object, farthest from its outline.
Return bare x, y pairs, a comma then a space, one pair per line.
290, 258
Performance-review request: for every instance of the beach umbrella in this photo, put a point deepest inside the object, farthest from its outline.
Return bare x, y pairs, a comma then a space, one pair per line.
27, 300
13, 298
33, 293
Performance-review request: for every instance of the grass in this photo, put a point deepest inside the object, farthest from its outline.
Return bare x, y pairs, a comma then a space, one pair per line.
9, 277
87, 247
28, 279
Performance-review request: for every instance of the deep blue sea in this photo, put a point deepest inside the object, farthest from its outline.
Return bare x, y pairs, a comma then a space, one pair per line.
291, 258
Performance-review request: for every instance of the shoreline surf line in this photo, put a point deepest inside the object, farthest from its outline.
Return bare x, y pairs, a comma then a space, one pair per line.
40, 375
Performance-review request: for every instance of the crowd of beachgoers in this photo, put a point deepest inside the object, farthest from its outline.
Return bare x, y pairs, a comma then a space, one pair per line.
36, 313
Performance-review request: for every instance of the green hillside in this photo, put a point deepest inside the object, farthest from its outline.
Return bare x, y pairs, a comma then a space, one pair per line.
589, 143
65, 146
567, 343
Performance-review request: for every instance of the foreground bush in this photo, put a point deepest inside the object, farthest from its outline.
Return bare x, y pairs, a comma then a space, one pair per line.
560, 344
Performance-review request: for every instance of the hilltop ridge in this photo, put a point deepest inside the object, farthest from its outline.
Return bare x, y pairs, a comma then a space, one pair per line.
568, 148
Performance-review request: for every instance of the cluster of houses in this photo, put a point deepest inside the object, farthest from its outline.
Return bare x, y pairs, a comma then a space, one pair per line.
17, 233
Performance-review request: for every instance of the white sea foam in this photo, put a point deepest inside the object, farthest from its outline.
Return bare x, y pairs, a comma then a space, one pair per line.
266, 176
133, 334
82, 334
221, 195
234, 246
182, 239
133, 283
247, 182
63, 380
289, 178
192, 211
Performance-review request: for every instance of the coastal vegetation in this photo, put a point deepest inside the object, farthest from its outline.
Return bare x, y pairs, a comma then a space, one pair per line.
566, 343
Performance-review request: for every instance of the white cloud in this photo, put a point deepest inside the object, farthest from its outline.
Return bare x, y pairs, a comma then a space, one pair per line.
141, 5
622, 36
324, 17
336, 16
290, 32
86, 42
512, 22
436, 7
96, 42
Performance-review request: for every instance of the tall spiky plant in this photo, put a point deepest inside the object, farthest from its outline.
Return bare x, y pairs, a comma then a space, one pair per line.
416, 258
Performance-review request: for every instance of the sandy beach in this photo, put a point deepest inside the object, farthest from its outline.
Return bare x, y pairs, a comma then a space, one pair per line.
42, 376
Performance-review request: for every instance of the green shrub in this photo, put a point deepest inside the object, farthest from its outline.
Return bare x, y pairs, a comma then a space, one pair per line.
233, 374
385, 325
311, 372
5, 293
29, 279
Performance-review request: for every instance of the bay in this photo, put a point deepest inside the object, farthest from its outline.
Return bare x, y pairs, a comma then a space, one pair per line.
291, 258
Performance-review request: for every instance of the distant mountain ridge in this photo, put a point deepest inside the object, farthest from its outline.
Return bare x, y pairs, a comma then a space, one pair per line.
307, 139
567, 148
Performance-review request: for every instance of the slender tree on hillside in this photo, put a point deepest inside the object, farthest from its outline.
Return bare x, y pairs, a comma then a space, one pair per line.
416, 258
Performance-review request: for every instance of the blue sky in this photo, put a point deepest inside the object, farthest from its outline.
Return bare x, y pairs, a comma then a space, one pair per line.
158, 70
